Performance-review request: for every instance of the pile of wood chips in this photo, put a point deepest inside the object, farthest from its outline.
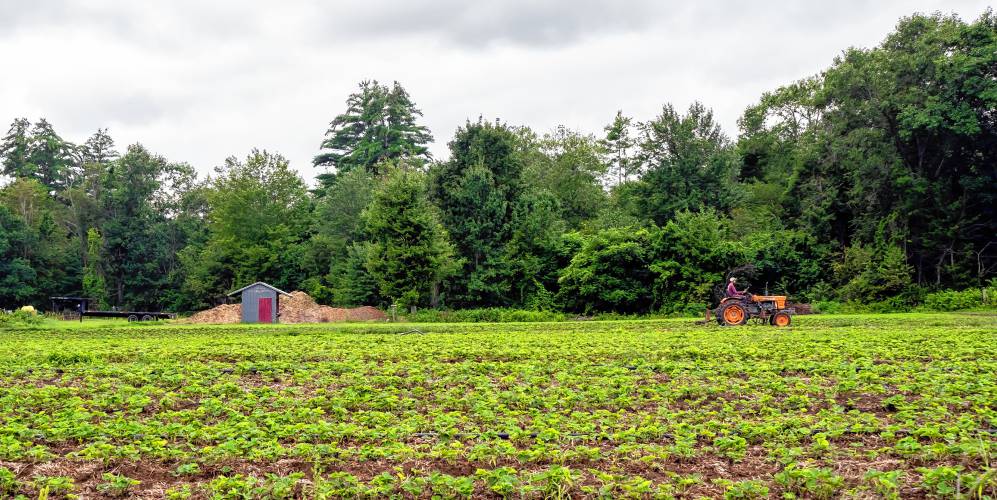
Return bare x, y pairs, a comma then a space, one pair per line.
298, 308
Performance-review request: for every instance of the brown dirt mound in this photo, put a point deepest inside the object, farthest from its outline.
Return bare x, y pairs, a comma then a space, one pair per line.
298, 308
225, 313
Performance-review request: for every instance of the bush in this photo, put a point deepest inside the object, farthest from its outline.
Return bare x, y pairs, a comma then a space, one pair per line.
827, 307
20, 317
486, 315
951, 300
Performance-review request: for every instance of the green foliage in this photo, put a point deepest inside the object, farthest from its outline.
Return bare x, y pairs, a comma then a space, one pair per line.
38, 154
885, 484
17, 277
900, 133
541, 299
19, 317
117, 485
688, 165
691, 254
867, 187
487, 315
336, 255
569, 165
747, 490
952, 300
379, 125
813, 483
409, 254
53, 485
611, 272
619, 145
477, 191
8, 482
581, 409
94, 285
866, 274
258, 211
35, 255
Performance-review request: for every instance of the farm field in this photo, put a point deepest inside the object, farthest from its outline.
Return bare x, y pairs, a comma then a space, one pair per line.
867, 406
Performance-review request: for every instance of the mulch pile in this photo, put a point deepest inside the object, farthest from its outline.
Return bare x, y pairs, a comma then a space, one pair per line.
298, 308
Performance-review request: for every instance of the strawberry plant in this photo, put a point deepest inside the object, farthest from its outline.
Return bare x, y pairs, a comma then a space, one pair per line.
610, 408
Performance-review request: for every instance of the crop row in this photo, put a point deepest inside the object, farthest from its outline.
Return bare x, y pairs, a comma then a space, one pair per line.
648, 408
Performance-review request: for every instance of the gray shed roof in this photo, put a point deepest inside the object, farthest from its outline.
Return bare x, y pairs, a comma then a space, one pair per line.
278, 290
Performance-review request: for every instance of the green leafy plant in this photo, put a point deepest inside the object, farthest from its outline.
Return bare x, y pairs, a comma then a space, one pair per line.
117, 485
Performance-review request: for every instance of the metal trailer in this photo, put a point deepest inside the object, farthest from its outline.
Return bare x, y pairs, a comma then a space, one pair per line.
80, 307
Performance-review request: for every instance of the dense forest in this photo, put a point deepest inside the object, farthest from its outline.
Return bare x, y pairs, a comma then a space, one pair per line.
871, 182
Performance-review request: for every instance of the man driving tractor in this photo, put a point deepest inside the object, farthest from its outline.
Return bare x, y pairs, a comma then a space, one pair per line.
732, 290
738, 306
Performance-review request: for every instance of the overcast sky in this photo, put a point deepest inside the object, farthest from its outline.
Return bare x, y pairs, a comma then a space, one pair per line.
198, 81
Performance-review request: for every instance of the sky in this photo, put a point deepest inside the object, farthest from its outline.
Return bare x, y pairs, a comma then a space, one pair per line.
198, 81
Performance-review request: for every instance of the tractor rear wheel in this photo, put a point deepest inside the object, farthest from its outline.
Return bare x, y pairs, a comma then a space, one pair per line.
733, 314
781, 319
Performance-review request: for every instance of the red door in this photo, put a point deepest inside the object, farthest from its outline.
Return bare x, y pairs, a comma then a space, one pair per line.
266, 310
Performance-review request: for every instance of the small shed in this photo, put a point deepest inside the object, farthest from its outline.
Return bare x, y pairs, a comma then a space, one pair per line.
260, 302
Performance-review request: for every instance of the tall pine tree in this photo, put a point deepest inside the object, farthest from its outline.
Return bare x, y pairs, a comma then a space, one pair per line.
380, 124
15, 149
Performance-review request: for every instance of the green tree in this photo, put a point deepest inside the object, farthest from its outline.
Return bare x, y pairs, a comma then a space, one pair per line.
409, 253
692, 253
50, 158
41, 241
619, 146
610, 272
17, 277
258, 220
380, 124
15, 149
535, 251
568, 165
688, 164
132, 247
902, 132
336, 256
94, 285
477, 191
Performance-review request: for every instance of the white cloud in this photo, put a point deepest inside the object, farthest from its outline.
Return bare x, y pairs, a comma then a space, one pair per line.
200, 81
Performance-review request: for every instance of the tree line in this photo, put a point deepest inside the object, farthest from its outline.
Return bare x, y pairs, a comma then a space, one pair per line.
871, 181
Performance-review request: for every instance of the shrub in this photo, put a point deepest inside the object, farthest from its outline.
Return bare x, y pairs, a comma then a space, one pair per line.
951, 300
827, 307
486, 315
20, 317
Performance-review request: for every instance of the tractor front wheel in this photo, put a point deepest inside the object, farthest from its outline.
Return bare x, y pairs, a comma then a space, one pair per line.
732, 314
781, 319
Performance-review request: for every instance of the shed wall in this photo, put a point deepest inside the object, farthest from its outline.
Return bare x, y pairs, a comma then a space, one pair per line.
251, 303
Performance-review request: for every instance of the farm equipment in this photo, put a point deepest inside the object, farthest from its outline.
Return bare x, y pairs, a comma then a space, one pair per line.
78, 307
734, 311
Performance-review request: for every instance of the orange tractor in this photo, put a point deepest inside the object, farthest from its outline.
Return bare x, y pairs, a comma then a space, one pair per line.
770, 309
